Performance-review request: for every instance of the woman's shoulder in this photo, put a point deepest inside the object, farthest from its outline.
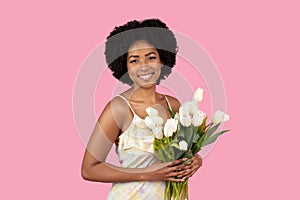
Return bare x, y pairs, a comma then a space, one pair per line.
115, 106
115, 110
119, 102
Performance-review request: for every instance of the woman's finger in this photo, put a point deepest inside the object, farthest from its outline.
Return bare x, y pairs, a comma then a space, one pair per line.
181, 167
189, 175
176, 162
179, 174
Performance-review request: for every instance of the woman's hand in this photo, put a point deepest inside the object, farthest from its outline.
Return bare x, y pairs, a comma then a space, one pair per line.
168, 171
196, 163
177, 170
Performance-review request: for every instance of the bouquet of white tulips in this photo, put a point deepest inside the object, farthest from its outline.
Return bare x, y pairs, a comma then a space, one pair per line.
182, 136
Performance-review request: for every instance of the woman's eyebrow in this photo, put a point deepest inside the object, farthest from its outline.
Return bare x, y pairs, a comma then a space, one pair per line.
134, 56
152, 52
147, 54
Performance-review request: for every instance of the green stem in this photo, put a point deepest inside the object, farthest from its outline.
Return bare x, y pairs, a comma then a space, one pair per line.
176, 190
187, 189
179, 190
167, 192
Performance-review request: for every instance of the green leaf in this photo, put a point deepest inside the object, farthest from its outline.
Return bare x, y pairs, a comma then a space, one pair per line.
174, 140
188, 154
210, 131
175, 145
202, 127
213, 138
196, 148
196, 137
187, 133
157, 144
164, 141
171, 112
166, 154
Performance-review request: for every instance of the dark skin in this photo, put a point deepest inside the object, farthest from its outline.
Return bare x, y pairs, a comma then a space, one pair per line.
144, 68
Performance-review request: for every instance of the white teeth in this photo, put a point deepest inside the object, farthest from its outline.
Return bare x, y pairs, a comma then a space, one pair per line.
145, 77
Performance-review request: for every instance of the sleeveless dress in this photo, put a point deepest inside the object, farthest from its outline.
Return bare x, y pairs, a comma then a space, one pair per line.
135, 150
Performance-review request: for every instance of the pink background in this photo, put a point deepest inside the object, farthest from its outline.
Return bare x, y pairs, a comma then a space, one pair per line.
255, 45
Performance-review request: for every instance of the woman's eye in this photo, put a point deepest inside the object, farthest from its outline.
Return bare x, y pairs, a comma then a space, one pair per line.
152, 58
133, 61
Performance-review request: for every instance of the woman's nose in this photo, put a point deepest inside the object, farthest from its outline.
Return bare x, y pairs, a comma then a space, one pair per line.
143, 64
144, 67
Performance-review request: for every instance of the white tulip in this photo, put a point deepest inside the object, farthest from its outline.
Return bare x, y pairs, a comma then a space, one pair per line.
189, 107
184, 110
198, 118
185, 120
149, 122
151, 111
198, 95
157, 120
193, 108
183, 145
157, 131
170, 127
218, 117
159, 136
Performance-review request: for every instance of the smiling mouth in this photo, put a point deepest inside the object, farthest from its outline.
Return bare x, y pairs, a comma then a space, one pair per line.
146, 77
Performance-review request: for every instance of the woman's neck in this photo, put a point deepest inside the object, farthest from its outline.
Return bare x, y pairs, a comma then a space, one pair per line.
143, 94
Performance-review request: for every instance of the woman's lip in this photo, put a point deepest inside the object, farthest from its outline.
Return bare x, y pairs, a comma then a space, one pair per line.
146, 74
146, 77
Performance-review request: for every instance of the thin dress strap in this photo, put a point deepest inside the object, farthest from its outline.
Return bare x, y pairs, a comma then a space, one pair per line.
168, 102
127, 103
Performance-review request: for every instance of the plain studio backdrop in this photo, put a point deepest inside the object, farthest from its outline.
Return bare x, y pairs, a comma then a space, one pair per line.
255, 45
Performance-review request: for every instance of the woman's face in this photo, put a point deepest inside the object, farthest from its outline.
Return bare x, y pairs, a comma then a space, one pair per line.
143, 64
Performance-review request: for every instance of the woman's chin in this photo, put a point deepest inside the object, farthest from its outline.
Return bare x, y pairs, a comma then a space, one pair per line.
146, 84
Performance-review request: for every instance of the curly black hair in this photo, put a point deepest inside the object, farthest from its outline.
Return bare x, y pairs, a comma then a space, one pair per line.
154, 32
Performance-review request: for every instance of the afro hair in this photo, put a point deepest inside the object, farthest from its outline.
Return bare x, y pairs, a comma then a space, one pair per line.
154, 32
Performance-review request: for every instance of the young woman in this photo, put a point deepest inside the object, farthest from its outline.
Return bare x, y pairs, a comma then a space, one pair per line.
140, 54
